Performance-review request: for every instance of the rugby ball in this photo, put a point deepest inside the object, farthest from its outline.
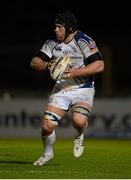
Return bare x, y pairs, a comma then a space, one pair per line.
59, 66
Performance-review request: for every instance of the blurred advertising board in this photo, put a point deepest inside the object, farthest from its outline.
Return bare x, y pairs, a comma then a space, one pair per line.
111, 118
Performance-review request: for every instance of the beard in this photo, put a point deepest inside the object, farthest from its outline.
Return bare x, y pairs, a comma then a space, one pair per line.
59, 38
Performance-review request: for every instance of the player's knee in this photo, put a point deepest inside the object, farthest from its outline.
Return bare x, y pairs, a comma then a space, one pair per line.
80, 116
47, 128
79, 123
50, 121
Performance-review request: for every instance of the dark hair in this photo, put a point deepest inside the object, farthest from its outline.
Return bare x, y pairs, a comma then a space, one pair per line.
68, 20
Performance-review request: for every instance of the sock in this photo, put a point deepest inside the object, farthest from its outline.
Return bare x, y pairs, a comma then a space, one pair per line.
48, 141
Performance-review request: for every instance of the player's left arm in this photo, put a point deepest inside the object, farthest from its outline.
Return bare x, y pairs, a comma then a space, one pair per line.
93, 68
95, 65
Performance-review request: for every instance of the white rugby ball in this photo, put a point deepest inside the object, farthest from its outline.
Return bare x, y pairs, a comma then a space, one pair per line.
59, 66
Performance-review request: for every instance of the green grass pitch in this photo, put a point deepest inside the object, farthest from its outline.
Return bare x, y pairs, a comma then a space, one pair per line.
102, 159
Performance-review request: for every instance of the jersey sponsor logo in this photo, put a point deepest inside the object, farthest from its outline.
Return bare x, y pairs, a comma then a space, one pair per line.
76, 57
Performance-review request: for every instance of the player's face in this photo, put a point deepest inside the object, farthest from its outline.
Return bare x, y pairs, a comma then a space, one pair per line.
60, 32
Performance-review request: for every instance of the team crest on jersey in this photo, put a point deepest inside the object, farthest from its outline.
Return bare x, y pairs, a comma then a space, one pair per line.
58, 48
92, 44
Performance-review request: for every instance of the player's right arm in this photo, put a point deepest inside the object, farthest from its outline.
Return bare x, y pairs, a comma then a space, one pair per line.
42, 59
38, 64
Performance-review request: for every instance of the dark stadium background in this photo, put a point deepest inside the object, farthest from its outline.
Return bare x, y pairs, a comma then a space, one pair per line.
25, 25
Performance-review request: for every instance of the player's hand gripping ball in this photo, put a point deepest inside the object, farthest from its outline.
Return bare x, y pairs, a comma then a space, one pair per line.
58, 66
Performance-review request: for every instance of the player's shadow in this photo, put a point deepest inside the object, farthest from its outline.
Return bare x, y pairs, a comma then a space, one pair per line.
24, 162
15, 162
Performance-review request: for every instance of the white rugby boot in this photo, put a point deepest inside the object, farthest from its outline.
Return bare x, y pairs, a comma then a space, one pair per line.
43, 159
79, 143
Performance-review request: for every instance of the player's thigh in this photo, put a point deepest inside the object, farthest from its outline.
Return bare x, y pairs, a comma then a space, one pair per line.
52, 116
56, 110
